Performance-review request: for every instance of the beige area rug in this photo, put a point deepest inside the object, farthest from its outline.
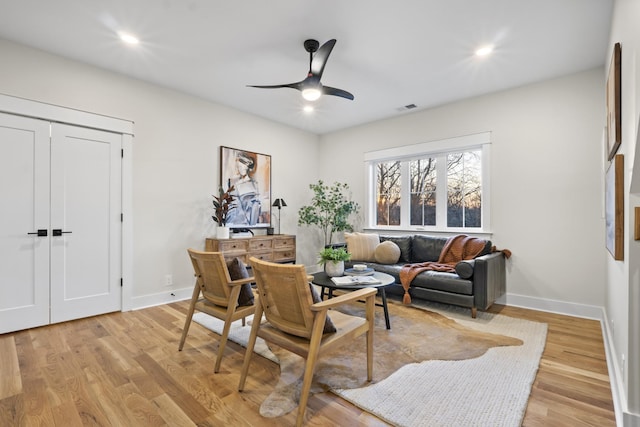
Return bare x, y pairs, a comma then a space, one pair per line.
435, 367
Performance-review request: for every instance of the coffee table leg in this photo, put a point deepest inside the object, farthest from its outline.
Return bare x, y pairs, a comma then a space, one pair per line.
383, 295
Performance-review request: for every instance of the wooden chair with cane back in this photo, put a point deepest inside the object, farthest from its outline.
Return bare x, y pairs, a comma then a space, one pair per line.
297, 324
219, 295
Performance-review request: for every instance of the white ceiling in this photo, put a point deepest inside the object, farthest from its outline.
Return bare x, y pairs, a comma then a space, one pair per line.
389, 53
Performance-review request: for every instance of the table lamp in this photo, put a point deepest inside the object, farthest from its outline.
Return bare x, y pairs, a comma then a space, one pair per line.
279, 203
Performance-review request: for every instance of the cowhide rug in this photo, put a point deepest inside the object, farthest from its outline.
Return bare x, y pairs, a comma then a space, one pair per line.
416, 335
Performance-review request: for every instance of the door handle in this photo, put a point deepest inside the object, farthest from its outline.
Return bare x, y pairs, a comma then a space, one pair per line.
59, 232
42, 232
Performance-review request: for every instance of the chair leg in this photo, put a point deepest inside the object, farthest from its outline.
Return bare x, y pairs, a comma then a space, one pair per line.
187, 322
250, 345
227, 326
312, 358
222, 345
370, 320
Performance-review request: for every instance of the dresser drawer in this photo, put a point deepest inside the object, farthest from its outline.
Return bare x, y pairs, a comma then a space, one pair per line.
232, 245
263, 256
284, 255
260, 244
284, 242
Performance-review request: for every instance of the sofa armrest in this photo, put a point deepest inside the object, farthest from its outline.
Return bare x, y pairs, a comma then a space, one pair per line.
489, 279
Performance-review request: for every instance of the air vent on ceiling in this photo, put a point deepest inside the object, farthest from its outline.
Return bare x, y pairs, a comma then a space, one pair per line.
407, 107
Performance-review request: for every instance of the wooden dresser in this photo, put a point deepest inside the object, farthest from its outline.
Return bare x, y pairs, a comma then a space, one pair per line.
275, 248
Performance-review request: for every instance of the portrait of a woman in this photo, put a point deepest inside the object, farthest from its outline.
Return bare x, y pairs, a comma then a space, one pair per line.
249, 173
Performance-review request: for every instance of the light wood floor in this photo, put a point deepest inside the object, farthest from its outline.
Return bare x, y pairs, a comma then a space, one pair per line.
123, 369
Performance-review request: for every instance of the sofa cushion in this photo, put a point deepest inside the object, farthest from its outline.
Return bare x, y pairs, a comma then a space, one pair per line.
426, 248
404, 243
362, 246
237, 270
443, 281
464, 269
387, 252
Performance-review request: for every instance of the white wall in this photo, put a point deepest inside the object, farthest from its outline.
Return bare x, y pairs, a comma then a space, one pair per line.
546, 178
175, 156
623, 278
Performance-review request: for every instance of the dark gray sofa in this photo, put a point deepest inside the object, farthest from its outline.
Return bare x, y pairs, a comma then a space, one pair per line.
476, 284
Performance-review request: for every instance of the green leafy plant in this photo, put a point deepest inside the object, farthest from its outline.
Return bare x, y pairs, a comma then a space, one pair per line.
334, 255
330, 209
222, 204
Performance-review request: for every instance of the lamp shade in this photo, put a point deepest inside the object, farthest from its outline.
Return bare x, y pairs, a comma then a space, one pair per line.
279, 203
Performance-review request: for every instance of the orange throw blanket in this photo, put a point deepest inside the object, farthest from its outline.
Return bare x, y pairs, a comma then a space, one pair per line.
456, 249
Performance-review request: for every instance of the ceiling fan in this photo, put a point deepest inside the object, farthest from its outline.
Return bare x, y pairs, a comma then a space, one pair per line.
311, 87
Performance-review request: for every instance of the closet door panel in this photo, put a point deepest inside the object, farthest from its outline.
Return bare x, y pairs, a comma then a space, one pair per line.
24, 196
85, 208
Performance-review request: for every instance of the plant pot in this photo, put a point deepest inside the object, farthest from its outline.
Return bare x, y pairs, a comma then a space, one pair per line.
334, 268
222, 232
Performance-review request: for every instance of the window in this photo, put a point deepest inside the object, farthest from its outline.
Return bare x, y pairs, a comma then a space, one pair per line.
440, 185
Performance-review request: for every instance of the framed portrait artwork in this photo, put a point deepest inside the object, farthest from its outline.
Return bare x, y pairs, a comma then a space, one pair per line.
614, 207
613, 104
249, 174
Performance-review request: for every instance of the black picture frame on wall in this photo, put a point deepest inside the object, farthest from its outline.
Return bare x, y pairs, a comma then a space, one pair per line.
249, 173
614, 103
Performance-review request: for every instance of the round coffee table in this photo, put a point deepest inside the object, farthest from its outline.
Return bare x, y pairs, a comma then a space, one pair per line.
321, 279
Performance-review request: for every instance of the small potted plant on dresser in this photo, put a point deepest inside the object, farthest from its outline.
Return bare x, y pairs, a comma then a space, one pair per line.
333, 260
222, 204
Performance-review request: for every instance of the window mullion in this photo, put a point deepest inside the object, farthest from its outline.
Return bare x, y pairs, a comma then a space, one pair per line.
441, 191
405, 195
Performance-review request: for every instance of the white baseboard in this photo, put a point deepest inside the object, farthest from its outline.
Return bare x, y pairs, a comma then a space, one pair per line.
552, 306
160, 298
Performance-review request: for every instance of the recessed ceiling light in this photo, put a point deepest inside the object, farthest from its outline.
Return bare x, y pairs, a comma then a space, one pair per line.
484, 50
308, 108
129, 38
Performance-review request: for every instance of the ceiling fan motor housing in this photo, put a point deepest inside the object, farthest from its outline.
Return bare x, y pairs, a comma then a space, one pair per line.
311, 45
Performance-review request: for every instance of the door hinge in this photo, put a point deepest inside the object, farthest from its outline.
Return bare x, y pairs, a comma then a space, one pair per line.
121, 282
122, 153
121, 217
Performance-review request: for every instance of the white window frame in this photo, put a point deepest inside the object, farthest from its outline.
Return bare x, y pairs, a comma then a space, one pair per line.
476, 141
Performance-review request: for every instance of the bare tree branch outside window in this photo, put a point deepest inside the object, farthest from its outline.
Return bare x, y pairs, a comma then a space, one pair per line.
388, 193
463, 182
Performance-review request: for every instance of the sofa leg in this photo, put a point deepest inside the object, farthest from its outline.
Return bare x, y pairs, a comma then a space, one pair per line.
474, 312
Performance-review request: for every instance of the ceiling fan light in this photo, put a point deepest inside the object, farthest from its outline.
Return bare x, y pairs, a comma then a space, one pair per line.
311, 93
129, 38
484, 50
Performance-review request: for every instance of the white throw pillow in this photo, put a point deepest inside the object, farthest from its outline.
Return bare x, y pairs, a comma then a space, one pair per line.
362, 246
387, 252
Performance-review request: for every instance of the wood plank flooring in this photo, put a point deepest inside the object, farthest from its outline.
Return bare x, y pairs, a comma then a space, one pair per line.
124, 369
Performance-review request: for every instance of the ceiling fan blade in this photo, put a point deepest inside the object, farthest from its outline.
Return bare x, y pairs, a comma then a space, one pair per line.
327, 90
320, 58
291, 85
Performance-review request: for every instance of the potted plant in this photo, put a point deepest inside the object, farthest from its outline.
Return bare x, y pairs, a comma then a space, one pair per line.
333, 260
330, 209
222, 204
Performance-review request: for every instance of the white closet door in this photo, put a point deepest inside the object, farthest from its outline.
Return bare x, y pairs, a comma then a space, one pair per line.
24, 207
85, 210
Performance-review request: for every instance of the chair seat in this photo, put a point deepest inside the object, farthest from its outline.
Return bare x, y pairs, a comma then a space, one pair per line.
221, 312
345, 326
